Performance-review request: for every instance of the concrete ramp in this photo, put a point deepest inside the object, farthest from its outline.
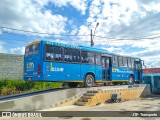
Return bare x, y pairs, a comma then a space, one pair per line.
65, 97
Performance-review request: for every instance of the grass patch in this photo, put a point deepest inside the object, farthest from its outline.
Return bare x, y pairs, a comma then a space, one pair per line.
8, 87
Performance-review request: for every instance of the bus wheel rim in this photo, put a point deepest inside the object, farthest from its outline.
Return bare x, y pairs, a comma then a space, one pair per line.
130, 79
89, 81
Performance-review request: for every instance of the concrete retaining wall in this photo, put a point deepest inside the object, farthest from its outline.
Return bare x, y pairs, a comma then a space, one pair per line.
104, 95
56, 98
11, 66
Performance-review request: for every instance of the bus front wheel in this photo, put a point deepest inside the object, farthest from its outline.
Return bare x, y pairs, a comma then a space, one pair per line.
89, 80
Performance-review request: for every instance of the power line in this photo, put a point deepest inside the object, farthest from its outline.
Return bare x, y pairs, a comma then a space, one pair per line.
116, 39
67, 41
87, 35
38, 32
13, 42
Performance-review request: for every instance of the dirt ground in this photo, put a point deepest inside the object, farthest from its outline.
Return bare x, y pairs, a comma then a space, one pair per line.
151, 103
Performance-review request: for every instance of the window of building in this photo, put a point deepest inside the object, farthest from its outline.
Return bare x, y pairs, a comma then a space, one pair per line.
120, 61
125, 63
87, 57
53, 53
98, 59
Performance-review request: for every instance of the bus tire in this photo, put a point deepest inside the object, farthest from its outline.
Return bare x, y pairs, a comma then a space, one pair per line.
64, 84
89, 80
72, 84
131, 80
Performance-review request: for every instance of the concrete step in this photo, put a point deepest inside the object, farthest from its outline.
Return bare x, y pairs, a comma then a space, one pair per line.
86, 97
89, 94
92, 91
84, 100
80, 103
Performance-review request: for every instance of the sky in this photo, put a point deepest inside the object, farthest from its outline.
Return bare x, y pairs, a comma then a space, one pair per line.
126, 27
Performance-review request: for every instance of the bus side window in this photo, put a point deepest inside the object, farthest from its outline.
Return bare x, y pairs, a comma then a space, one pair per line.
84, 57
120, 61
90, 57
68, 55
115, 61
129, 62
125, 62
87, 57
132, 62
48, 56
76, 55
57, 53
98, 59
53, 53
48, 52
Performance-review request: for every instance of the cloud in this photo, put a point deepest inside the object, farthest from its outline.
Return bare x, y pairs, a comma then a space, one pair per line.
140, 27
2, 50
28, 15
125, 19
18, 50
80, 5
113, 49
151, 5
1, 31
118, 19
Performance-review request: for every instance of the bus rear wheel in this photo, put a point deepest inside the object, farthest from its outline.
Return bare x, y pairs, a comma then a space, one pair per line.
131, 80
89, 80
72, 84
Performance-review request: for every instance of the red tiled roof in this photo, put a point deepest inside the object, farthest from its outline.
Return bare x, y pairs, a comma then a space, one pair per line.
151, 70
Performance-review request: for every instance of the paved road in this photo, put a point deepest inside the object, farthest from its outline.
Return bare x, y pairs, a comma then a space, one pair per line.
145, 104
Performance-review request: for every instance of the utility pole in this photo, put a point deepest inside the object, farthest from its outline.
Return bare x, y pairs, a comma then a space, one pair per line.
92, 36
92, 39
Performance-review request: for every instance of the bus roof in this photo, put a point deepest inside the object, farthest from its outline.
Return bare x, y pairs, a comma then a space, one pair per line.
33, 43
93, 49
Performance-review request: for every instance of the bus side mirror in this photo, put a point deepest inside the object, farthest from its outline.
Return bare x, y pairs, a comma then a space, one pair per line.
143, 63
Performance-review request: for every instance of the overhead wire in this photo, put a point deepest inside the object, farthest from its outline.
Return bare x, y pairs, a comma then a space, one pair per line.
128, 38
86, 35
39, 32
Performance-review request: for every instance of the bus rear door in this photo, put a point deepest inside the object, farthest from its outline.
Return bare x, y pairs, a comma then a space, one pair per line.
106, 64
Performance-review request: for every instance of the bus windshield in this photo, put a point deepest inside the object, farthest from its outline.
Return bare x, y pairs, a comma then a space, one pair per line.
32, 50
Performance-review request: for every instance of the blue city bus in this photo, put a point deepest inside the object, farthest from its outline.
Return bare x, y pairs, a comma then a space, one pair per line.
75, 65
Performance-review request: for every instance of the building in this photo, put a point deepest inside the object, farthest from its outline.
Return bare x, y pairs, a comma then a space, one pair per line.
152, 76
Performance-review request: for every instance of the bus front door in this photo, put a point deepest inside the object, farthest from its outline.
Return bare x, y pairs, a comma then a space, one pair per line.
106, 64
138, 71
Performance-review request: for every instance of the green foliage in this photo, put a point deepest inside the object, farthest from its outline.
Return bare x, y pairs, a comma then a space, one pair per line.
8, 87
